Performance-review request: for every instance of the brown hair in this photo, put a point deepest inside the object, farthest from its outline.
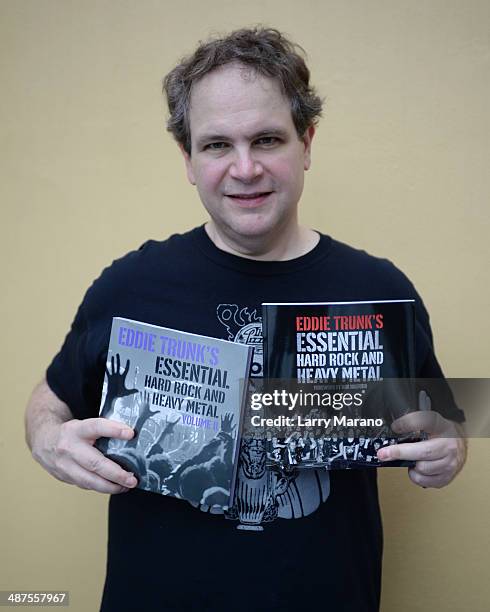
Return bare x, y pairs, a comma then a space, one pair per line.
266, 51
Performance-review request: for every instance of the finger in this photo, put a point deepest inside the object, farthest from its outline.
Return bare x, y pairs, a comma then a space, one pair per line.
431, 468
435, 482
113, 364
428, 421
118, 363
94, 462
424, 401
94, 482
126, 369
91, 429
72, 473
414, 451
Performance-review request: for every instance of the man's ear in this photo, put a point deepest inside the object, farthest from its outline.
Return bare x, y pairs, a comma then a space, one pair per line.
307, 138
188, 164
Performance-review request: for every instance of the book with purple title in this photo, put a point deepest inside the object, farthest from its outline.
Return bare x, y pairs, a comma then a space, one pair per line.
184, 395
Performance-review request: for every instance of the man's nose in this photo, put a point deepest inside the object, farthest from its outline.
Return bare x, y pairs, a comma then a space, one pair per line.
244, 167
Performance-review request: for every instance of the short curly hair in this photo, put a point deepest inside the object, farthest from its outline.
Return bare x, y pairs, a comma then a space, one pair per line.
267, 51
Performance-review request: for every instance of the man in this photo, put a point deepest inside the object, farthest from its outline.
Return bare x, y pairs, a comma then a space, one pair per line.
244, 114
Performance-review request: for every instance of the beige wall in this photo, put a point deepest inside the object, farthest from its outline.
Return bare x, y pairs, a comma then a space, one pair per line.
400, 168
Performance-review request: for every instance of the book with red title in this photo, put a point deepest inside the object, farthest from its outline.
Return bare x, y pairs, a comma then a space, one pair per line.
341, 373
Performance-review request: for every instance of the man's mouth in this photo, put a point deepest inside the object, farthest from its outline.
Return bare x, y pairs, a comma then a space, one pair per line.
249, 199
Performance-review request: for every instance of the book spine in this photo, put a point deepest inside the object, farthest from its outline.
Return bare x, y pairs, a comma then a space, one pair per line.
241, 417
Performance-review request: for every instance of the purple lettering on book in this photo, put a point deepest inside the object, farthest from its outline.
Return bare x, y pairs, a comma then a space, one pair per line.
143, 341
183, 349
196, 421
190, 351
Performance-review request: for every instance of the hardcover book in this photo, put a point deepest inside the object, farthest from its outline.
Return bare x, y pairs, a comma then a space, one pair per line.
341, 373
183, 394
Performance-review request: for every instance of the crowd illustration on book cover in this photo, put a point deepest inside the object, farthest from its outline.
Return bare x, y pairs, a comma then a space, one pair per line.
333, 450
168, 457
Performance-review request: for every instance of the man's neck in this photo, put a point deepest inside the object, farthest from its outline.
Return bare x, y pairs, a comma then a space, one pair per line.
293, 243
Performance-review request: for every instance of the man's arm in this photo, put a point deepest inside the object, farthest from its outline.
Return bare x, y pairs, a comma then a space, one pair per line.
64, 446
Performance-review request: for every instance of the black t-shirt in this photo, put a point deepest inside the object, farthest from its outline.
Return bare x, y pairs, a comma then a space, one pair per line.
163, 554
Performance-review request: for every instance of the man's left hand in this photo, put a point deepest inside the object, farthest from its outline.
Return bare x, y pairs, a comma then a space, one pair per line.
439, 458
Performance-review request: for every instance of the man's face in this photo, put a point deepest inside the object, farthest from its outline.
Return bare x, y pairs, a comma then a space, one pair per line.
246, 158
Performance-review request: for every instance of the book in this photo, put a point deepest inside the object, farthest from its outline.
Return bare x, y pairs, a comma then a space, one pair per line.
336, 375
184, 395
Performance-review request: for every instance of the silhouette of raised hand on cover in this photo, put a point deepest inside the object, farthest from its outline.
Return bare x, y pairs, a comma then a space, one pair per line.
116, 388
116, 385
226, 424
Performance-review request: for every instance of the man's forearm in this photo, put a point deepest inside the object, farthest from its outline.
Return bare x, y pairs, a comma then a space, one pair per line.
43, 410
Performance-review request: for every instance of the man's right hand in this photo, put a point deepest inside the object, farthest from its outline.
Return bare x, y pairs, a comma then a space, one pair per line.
64, 446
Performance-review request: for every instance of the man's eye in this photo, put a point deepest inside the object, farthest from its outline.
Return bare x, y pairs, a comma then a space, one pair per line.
216, 146
267, 141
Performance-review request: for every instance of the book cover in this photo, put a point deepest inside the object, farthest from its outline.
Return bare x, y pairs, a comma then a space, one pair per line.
183, 394
336, 375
